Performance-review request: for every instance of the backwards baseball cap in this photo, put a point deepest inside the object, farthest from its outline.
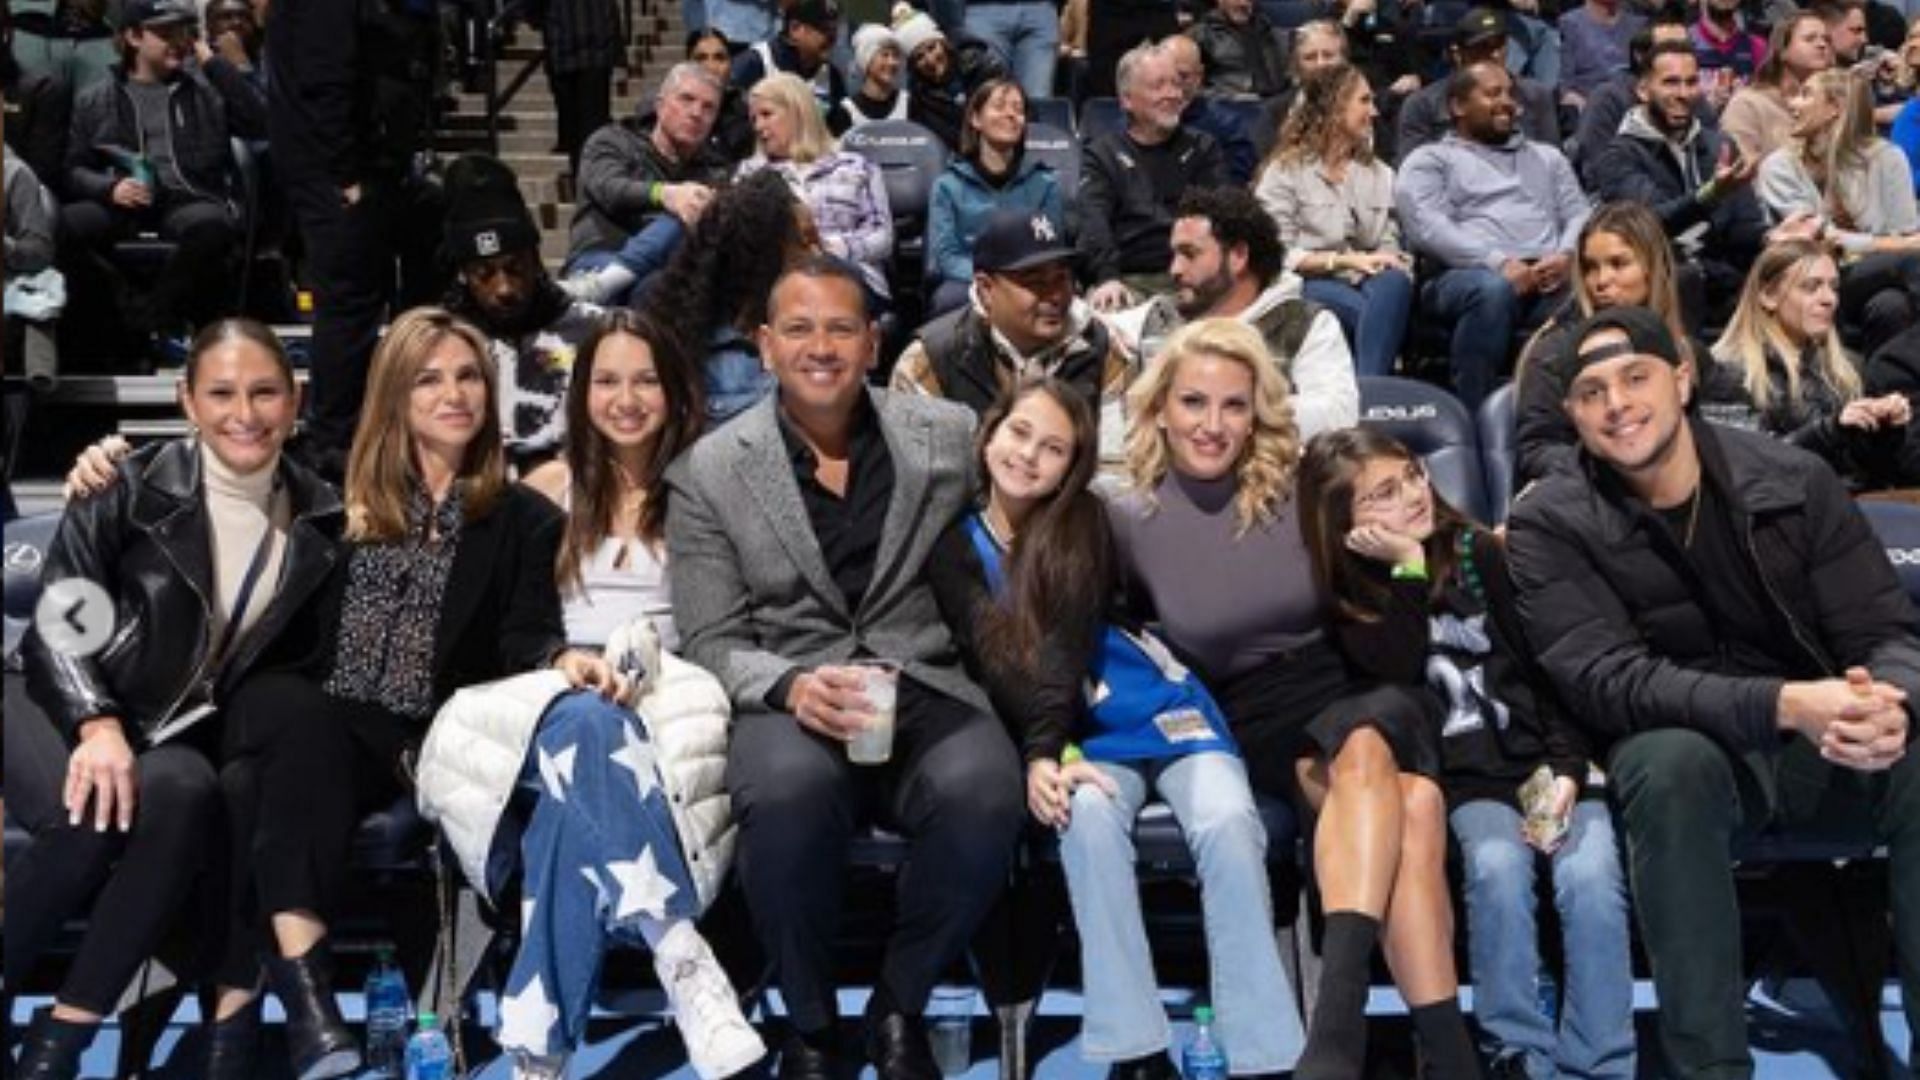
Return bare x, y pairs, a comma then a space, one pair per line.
1019, 240
822, 15
1480, 25
1647, 335
486, 214
159, 13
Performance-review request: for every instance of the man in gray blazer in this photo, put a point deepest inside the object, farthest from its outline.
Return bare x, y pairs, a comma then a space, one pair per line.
797, 535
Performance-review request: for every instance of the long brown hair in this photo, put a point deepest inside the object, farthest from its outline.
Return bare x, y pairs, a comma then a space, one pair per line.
594, 482
1838, 156
1332, 463
977, 102
382, 467
1309, 127
1774, 67
1635, 224
1060, 570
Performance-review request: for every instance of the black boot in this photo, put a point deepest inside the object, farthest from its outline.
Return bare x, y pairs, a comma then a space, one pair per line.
233, 1045
52, 1048
318, 1041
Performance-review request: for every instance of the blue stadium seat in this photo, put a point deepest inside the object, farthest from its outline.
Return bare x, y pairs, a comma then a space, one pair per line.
910, 159
1055, 111
1497, 450
1435, 426
1057, 149
26, 550
1898, 526
1101, 116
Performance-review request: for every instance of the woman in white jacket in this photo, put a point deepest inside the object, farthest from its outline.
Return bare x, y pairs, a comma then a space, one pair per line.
626, 841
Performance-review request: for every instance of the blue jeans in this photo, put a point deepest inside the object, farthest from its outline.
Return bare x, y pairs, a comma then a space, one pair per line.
950, 14
644, 254
1208, 793
1589, 889
745, 22
1533, 48
1374, 315
601, 857
1484, 313
1027, 37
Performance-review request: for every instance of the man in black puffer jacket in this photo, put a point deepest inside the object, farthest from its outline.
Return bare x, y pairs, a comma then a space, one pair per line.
1242, 52
1722, 621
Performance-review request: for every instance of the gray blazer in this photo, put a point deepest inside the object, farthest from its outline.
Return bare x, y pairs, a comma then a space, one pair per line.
752, 597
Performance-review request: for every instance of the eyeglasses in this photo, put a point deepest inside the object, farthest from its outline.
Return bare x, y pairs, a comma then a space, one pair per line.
1393, 492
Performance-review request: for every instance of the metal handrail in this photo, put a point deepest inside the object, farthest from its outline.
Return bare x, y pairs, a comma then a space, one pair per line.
495, 31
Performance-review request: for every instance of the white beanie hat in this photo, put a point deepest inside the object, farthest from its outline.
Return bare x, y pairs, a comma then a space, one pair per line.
913, 28
867, 43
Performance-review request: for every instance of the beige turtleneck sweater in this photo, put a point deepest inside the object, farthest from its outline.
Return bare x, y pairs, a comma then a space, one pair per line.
240, 509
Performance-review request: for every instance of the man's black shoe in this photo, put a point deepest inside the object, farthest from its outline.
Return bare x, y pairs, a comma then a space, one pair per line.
898, 1049
801, 1060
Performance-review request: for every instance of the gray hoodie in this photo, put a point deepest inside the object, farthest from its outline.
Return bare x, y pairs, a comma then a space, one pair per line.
29, 246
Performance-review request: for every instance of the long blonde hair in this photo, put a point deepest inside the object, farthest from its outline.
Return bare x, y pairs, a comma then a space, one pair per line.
788, 93
382, 468
1840, 152
1267, 467
1754, 328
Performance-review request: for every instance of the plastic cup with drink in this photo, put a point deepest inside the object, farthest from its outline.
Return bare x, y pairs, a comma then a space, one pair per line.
873, 743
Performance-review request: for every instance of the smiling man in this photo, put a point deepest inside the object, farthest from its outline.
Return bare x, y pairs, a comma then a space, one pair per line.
1023, 319
798, 537
1501, 213
1716, 612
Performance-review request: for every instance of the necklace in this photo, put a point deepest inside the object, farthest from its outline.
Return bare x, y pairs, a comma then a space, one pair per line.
1002, 534
1693, 516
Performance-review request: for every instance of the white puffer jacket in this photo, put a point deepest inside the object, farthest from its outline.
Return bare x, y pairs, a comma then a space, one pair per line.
478, 743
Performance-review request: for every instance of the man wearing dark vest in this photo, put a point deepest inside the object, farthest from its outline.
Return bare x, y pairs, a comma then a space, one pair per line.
1228, 263
1023, 319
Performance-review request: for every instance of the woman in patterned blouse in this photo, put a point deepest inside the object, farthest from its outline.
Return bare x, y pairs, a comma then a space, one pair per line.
447, 582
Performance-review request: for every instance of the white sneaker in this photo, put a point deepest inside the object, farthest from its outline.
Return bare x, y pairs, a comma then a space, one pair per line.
530, 1067
719, 1040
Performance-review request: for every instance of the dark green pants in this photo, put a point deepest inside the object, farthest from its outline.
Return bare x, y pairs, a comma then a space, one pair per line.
1684, 801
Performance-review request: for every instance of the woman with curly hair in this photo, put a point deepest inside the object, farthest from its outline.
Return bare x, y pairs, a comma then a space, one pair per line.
1213, 456
1333, 201
714, 292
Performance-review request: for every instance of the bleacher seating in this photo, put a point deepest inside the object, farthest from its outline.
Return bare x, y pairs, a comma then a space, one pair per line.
1497, 450
1101, 116
1055, 111
1436, 427
1057, 149
910, 159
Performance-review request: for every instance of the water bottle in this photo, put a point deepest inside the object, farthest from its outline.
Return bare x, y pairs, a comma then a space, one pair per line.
388, 1011
1546, 994
429, 1055
1204, 1058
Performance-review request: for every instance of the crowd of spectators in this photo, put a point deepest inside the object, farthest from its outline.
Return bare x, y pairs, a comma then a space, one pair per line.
1688, 236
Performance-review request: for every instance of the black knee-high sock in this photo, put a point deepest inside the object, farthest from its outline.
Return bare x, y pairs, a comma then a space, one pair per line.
1337, 1033
1446, 1050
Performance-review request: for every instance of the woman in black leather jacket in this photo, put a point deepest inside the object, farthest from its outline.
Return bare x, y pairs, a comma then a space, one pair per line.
209, 549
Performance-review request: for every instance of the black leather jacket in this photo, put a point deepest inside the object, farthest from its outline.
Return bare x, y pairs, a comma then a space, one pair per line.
146, 541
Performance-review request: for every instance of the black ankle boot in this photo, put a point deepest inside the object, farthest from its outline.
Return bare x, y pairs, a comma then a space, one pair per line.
318, 1041
233, 1045
52, 1048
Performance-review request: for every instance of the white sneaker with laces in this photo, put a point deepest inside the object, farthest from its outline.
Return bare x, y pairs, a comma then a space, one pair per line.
719, 1040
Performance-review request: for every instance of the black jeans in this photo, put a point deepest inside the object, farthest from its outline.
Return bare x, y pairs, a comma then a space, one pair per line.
305, 767
1684, 802
954, 789
583, 104
143, 878
350, 265
195, 284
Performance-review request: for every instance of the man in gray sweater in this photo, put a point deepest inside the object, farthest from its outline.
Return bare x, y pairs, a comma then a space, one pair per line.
1501, 215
